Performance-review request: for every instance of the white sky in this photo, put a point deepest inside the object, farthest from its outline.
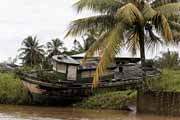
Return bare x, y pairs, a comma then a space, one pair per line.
46, 19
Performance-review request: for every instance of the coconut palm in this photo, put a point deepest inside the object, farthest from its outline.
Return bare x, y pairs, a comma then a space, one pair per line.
55, 47
88, 39
31, 52
125, 22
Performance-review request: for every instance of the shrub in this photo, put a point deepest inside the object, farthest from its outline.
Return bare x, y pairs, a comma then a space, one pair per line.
168, 60
48, 76
109, 100
150, 63
168, 81
12, 90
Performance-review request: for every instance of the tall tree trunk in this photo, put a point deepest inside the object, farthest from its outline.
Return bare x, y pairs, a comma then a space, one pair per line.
142, 45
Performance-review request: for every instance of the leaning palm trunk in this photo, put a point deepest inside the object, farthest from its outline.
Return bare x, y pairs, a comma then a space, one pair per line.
137, 18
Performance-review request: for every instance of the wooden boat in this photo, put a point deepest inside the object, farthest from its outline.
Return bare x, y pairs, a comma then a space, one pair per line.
54, 93
74, 81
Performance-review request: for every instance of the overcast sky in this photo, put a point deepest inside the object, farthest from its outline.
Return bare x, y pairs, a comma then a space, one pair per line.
46, 19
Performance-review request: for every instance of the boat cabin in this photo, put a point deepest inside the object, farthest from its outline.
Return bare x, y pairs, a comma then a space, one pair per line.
66, 67
69, 68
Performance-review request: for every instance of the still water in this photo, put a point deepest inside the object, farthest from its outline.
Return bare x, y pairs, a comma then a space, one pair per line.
52, 113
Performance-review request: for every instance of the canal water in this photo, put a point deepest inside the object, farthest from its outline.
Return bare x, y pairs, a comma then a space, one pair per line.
8, 112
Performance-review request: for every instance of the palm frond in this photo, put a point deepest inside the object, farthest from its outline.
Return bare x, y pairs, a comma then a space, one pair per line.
157, 3
133, 43
97, 46
169, 9
166, 29
174, 25
133, 40
176, 36
111, 49
102, 6
101, 22
129, 14
152, 41
162, 26
148, 12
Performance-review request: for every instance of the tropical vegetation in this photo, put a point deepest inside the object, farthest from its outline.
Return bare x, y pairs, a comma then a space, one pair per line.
168, 60
135, 24
119, 100
55, 47
31, 53
168, 81
12, 90
88, 39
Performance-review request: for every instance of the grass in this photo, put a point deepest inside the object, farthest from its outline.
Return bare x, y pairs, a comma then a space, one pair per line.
12, 90
168, 81
110, 100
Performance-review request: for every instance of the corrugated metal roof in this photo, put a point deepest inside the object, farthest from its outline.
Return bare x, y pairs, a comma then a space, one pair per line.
65, 59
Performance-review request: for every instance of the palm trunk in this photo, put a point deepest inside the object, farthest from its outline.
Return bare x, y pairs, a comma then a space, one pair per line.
142, 50
142, 45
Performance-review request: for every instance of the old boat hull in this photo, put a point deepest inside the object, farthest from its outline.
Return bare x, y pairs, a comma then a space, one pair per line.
54, 94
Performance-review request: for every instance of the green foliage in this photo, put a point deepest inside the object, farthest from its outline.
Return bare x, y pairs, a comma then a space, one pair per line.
26, 69
109, 100
168, 81
88, 38
48, 76
55, 47
31, 52
12, 90
47, 64
150, 63
168, 60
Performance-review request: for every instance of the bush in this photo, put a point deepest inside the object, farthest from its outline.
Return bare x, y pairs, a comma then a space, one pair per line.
110, 100
168, 81
12, 90
48, 76
168, 60
150, 63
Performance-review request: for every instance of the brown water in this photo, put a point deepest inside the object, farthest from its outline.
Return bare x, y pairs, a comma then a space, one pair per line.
52, 113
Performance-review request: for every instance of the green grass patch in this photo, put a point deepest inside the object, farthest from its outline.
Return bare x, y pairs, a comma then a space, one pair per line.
12, 90
168, 81
109, 100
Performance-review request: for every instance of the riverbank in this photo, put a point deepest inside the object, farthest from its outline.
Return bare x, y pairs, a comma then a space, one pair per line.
12, 91
120, 100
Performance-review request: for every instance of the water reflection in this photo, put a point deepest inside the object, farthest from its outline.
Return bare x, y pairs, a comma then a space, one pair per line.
8, 112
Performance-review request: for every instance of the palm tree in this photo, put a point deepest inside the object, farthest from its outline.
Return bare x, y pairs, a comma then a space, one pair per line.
125, 22
31, 52
55, 47
88, 38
